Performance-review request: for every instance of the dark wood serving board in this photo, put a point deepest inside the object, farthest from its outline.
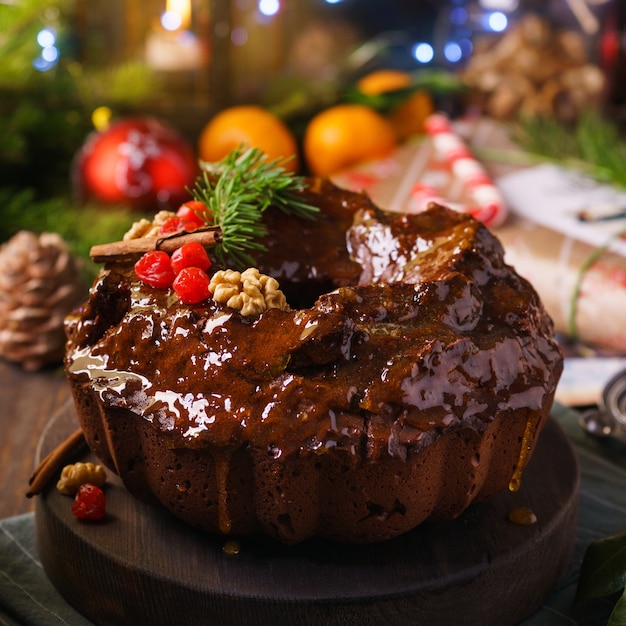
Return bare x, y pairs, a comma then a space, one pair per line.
142, 566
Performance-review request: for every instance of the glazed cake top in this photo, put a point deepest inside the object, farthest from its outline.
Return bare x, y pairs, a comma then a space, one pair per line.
400, 327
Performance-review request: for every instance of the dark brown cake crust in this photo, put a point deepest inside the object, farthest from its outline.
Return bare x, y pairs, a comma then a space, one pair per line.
411, 377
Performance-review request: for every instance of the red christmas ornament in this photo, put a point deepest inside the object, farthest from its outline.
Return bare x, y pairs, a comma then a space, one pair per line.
140, 161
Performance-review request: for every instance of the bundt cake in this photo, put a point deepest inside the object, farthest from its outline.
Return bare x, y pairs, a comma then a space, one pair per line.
408, 375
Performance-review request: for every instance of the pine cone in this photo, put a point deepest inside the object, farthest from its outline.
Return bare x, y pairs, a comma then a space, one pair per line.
39, 285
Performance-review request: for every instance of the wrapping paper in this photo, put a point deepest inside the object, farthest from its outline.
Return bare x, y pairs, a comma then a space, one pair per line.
586, 303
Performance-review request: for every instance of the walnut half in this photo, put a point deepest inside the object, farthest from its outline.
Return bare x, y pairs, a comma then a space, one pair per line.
77, 474
249, 292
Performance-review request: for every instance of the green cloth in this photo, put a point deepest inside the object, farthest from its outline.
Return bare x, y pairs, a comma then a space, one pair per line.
28, 598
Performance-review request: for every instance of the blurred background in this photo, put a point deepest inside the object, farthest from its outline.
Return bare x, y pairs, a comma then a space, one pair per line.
70, 65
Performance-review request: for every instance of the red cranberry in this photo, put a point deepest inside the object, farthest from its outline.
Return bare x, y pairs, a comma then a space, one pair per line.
155, 269
192, 285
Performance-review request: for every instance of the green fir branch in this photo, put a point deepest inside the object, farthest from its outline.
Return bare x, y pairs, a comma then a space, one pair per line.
594, 145
237, 191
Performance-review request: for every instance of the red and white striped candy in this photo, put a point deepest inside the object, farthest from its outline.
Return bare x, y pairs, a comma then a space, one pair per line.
489, 205
422, 195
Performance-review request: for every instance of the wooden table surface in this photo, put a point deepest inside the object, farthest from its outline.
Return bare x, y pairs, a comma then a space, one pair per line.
27, 401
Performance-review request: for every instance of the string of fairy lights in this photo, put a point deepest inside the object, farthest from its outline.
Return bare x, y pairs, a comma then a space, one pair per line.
450, 43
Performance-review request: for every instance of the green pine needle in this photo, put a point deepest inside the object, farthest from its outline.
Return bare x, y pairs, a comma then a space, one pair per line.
237, 190
594, 145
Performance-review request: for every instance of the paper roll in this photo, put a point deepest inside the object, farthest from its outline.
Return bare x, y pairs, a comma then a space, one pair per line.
582, 287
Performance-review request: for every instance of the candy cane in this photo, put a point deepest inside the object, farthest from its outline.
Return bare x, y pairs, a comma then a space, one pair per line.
489, 206
422, 195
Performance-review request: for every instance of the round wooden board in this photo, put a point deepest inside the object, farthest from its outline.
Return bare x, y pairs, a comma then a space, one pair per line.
142, 566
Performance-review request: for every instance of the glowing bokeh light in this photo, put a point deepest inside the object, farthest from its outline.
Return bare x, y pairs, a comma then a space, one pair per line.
452, 51
171, 20
497, 21
50, 54
423, 52
333, 1
101, 117
41, 65
458, 16
269, 7
46, 37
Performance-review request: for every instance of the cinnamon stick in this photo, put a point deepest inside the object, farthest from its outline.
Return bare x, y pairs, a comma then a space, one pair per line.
52, 461
134, 248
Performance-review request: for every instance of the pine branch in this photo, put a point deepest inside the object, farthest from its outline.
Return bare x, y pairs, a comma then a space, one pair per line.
594, 146
237, 190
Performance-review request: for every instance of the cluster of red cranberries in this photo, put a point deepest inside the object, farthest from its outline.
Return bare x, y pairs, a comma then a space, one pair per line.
185, 271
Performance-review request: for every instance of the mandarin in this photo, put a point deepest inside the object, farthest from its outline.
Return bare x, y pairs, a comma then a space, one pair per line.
253, 127
409, 116
344, 135
382, 81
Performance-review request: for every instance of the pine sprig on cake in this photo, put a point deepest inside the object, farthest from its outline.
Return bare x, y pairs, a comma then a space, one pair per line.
237, 190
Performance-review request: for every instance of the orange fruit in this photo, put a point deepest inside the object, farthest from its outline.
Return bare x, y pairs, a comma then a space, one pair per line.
409, 116
344, 135
381, 81
252, 126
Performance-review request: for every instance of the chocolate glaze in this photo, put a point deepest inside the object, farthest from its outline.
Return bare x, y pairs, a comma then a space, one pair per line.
413, 360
